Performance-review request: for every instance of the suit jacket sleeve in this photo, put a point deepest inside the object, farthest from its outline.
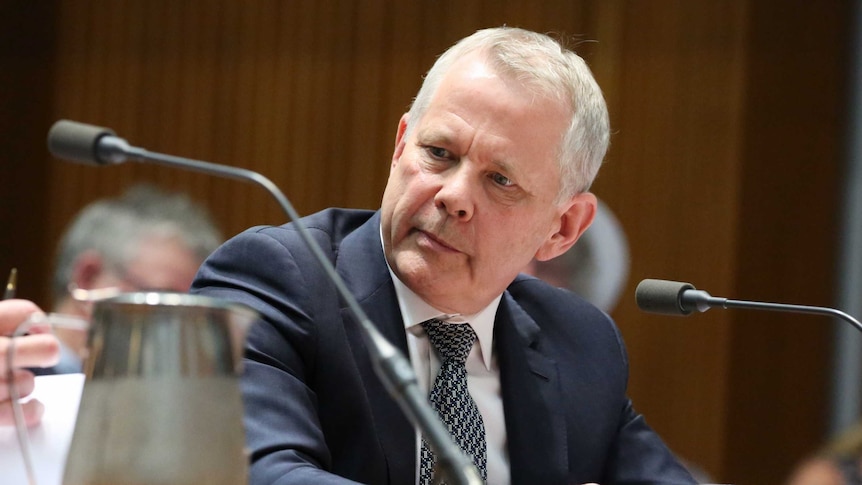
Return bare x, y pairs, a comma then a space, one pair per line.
284, 433
639, 455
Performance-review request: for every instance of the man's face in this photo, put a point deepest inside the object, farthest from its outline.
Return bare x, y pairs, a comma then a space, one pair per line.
164, 264
161, 264
471, 192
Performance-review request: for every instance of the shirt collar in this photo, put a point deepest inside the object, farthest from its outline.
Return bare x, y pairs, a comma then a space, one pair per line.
415, 310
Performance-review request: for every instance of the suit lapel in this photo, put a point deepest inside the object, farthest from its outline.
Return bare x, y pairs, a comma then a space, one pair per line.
535, 426
360, 262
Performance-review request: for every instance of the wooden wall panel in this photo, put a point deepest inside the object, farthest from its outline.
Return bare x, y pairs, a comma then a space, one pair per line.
27, 64
307, 93
793, 122
672, 178
726, 119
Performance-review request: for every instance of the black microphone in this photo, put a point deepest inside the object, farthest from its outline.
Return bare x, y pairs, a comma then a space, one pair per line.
95, 145
677, 298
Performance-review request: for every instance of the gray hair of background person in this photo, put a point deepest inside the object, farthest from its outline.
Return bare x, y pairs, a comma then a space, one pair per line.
543, 64
115, 227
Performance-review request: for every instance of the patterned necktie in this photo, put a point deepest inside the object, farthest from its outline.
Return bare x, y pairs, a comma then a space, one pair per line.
450, 398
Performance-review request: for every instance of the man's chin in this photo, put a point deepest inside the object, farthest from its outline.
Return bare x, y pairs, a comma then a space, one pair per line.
416, 270
412, 269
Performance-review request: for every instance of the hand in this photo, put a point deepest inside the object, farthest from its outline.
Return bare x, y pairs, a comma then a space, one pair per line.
38, 349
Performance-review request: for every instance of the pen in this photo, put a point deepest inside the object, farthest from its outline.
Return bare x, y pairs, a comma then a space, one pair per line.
10, 285
17, 413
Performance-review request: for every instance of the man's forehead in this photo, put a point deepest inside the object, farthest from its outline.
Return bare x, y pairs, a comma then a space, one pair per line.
474, 65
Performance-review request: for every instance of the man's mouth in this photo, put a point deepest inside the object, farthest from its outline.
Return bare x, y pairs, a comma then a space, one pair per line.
434, 241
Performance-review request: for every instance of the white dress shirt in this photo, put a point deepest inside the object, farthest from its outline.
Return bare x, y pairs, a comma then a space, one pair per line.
483, 372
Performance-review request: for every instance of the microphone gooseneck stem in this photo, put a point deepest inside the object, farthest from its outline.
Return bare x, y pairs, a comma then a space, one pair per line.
692, 299
391, 366
782, 307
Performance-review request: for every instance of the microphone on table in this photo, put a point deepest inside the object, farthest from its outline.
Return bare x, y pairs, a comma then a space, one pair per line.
94, 145
677, 298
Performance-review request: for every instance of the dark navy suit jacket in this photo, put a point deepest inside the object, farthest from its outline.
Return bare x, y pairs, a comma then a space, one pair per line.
315, 411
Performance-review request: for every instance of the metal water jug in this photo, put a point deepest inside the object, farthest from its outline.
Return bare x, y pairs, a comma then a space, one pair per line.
161, 401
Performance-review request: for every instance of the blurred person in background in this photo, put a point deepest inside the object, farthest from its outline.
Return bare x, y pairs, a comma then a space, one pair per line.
839, 462
596, 267
144, 240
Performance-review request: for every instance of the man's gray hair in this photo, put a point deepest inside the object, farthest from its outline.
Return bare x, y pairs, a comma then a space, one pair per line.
543, 64
115, 227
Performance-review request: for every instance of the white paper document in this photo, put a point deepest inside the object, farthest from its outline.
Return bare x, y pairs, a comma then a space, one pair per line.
49, 440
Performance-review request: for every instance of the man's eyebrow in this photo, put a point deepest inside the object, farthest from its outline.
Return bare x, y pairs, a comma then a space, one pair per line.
433, 135
505, 163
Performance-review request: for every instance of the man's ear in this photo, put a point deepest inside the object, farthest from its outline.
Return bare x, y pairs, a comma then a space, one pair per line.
87, 269
575, 218
399, 138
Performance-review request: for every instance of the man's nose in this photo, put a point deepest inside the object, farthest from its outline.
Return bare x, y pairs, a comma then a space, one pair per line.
456, 196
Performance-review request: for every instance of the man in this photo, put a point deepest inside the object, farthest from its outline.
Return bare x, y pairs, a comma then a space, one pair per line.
146, 239
490, 169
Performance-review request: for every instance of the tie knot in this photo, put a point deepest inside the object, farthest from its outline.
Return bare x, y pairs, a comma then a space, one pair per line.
453, 341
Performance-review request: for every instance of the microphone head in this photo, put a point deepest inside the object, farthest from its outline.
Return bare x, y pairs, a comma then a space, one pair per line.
78, 142
662, 296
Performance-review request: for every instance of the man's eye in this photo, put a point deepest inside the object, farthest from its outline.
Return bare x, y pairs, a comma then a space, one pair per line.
439, 153
501, 180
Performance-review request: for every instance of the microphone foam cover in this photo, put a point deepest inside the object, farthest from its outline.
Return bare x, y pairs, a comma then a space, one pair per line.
75, 141
661, 296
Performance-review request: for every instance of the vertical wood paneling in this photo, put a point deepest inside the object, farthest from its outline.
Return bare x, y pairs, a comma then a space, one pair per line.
253, 21
721, 169
364, 152
671, 176
793, 121
27, 54
230, 61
